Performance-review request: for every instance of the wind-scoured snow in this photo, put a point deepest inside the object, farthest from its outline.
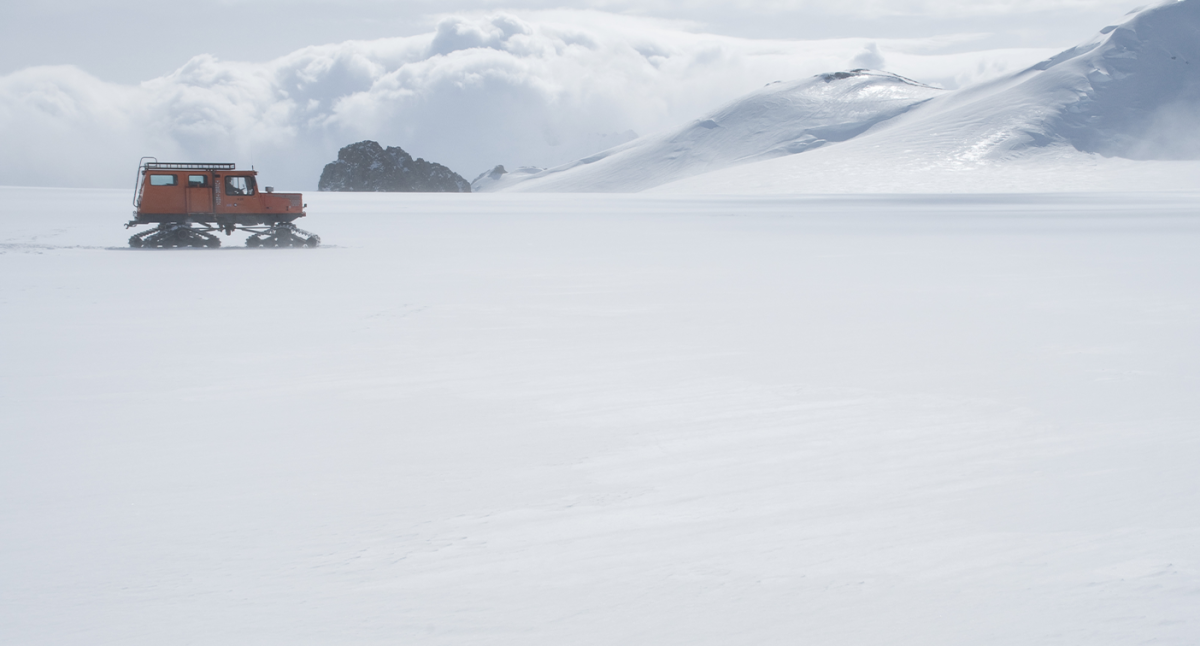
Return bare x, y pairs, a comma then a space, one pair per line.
780, 119
1068, 123
539, 420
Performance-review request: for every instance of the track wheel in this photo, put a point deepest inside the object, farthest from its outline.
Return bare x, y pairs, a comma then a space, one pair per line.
253, 241
135, 242
312, 241
213, 242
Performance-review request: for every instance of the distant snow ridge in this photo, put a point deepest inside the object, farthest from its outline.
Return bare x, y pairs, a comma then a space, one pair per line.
1131, 92
779, 119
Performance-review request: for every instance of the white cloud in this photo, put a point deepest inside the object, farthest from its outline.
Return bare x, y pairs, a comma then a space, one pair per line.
869, 58
529, 89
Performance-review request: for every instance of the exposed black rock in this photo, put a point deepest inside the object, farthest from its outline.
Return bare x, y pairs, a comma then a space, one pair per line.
493, 179
367, 166
495, 173
837, 76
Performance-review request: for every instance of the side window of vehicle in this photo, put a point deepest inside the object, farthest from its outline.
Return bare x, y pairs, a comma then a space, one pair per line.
197, 181
239, 186
164, 180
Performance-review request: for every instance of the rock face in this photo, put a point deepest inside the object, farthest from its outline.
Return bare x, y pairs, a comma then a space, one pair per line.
495, 174
367, 166
499, 178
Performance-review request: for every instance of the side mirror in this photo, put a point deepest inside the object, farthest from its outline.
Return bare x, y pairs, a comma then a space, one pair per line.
270, 189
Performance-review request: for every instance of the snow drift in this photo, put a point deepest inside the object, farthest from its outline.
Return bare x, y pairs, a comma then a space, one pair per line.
1132, 92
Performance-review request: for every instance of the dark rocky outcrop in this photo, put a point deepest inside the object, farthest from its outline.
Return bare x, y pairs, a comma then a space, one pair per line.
367, 166
494, 174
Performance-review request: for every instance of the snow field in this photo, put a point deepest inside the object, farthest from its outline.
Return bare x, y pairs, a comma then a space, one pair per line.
547, 419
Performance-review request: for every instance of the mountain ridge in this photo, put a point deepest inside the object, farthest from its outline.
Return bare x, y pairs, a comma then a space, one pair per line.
1132, 92
778, 119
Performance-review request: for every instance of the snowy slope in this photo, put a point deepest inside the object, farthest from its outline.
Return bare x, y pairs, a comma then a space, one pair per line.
1073, 122
1068, 123
1132, 92
538, 420
779, 119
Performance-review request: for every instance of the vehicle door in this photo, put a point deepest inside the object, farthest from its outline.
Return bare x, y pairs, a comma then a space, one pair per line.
238, 194
162, 193
199, 193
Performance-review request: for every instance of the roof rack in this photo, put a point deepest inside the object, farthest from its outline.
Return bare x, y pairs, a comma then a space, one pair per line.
187, 166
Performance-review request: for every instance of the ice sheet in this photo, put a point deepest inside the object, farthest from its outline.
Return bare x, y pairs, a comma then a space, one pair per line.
582, 419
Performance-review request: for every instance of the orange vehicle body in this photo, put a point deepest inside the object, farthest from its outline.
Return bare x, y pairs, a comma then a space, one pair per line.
208, 193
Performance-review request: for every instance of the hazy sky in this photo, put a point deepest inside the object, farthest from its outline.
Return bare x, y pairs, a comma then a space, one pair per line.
86, 88
134, 40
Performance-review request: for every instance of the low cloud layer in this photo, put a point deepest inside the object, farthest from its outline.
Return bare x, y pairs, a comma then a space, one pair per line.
536, 89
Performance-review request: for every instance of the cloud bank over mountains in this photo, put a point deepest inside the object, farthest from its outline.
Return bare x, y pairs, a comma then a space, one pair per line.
539, 89
536, 89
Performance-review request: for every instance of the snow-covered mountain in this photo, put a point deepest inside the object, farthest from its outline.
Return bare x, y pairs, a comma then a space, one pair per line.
779, 119
1132, 92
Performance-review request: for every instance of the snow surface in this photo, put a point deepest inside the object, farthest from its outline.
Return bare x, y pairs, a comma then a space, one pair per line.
580, 419
1133, 92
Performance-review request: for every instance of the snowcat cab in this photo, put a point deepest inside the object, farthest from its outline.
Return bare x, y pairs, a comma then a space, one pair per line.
189, 200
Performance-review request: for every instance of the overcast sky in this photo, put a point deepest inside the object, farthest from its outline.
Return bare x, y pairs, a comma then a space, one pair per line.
134, 40
86, 88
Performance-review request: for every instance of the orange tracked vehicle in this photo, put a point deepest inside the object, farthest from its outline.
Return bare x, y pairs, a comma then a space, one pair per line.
188, 201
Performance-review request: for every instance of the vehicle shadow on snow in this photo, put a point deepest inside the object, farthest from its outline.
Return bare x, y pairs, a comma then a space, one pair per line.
210, 250
29, 247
